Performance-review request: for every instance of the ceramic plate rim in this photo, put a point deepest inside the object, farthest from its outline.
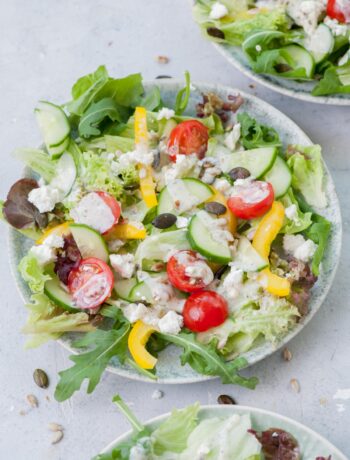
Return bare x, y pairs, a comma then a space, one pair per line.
164, 83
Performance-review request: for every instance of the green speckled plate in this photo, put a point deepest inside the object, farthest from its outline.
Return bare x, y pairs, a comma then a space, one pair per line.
312, 445
169, 369
288, 87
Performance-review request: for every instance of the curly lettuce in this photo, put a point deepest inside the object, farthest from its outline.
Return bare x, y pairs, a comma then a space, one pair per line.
301, 222
33, 273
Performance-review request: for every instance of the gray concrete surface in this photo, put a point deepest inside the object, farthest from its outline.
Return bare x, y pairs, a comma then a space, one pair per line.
44, 47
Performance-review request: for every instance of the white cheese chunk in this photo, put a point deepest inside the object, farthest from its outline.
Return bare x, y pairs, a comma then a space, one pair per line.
218, 11
171, 323
124, 264
94, 212
44, 254
298, 247
165, 114
233, 137
45, 197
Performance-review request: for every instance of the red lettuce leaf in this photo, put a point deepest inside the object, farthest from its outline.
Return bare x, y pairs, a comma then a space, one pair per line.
278, 444
68, 258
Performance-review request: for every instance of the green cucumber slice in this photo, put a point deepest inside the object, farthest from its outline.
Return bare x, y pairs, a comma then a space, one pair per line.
66, 173
54, 126
141, 292
187, 192
124, 287
300, 58
247, 258
201, 239
89, 242
279, 177
321, 43
58, 295
257, 161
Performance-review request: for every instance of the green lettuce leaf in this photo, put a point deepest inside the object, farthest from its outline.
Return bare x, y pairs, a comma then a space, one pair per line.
152, 99
172, 435
98, 112
97, 175
319, 234
302, 222
183, 96
122, 144
306, 166
336, 80
37, 160
32, 273
91, 364
206, 360
47, 322
254, 134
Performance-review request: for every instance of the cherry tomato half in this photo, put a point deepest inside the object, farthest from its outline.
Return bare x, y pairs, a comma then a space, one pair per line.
113, 205
339, 12
251, 200
189, 261
91, 283
204, 310
188, 137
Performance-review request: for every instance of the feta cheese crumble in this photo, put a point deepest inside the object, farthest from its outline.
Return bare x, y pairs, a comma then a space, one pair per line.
232, 283
336, 28
124, 264
185, 165
44, 254
291, 212
218, 11
45, 197
138, 156
200, 270
298, 247
165, 114
233, 137
94, 212
217, 227
181, 222
171, 323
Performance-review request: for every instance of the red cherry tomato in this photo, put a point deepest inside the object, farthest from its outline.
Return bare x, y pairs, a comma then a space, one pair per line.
176, 269
251, 200
113, 205
204, 310
338, 12
190, 136
90, 283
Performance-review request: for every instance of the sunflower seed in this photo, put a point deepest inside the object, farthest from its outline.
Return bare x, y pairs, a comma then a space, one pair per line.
41, 378
287, 354
55, 427
57, 437
295, 385
32, 400
226, 399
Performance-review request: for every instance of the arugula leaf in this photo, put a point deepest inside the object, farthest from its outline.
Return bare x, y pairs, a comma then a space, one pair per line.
254, 134
152, 99
87, 81
183, 96
90, 121
205, 360
91, 364
126, 91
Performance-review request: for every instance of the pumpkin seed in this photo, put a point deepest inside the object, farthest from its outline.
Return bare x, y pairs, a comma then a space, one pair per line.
164, 220
41, 378
215, 32
226, 399
213, 207
238, 173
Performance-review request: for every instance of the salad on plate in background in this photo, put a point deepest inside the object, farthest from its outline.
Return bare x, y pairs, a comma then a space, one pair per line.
152, 228
214, 433
303, 40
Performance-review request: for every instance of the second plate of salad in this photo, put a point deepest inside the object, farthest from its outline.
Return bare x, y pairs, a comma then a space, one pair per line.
169, 232
299, 48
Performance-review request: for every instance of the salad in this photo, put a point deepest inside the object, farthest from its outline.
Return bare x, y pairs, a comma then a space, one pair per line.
185, 435
153, 228
297, 39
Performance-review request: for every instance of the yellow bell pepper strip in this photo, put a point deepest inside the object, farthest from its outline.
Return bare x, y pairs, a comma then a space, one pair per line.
229, 216
266, 232
147, 185
58, 230
126, 232
138, 337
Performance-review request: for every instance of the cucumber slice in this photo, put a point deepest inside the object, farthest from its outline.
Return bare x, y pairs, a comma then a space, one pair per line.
321, 43
58, 295
66, 173
54, 126
300, 58
201, 239
257, 161
279, 177
247, 258
141, 292
187, 192
123, 288
56, 152
89, 242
